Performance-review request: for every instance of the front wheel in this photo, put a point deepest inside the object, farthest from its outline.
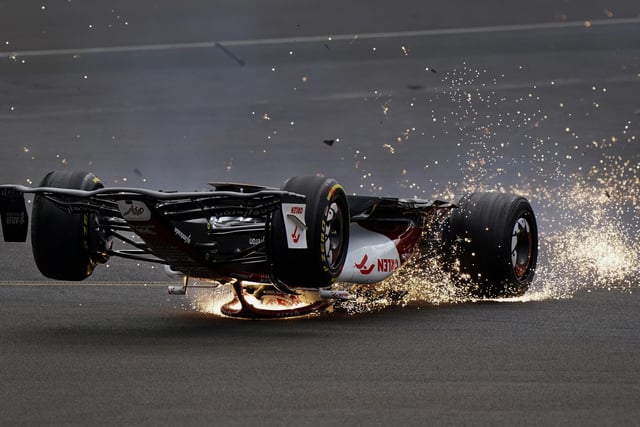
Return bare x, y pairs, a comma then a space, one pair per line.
326, 217
493, 238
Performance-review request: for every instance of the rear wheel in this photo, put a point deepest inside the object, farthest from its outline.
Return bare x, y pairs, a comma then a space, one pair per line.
327, 235
493, 237
66, 246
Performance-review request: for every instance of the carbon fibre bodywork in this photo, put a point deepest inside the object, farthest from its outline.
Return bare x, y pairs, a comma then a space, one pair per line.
219, 234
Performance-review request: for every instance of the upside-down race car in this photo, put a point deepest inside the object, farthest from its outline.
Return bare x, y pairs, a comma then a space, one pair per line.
281, 250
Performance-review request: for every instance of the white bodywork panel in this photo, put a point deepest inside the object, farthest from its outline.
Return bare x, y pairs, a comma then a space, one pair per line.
372, 257
294, 222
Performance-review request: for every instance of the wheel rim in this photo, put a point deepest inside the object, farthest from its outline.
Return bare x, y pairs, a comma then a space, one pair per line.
521, 248
334, 235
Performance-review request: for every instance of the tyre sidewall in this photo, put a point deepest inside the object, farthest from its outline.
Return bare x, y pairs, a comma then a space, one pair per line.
480, 232
61, 241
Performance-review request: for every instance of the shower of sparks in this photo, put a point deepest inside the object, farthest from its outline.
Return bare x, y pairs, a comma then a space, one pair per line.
588, 219
585, 192
210, 300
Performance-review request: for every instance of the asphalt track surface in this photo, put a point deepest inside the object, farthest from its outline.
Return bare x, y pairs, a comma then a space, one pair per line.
164, 97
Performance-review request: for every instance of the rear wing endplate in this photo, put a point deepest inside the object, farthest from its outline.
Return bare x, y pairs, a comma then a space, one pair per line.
13, 212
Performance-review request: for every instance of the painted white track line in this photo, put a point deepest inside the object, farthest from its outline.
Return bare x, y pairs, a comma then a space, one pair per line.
315, 39
89, 284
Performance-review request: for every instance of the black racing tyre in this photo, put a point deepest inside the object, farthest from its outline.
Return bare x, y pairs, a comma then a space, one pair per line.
494, 238
64, 243
327, 222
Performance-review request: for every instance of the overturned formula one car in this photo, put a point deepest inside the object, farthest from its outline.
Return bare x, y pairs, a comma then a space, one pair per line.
281, 250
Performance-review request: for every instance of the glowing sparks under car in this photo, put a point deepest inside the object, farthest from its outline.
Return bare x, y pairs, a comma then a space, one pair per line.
588, 216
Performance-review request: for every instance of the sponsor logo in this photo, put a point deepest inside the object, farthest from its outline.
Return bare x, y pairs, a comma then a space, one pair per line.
382, 265
243, 212
297, 210
134, 210
14, 218
184, 237
295, 236
253, 241
387, 265
294, 222
362, 265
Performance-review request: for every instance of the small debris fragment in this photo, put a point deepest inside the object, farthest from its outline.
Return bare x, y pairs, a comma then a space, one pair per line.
231, 55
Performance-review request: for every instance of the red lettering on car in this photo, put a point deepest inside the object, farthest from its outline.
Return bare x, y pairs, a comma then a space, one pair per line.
387, 265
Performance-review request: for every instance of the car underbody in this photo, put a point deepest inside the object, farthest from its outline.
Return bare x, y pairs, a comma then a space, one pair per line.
280, 250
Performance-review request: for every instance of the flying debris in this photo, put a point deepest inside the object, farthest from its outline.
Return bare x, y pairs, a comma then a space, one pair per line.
231, 55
